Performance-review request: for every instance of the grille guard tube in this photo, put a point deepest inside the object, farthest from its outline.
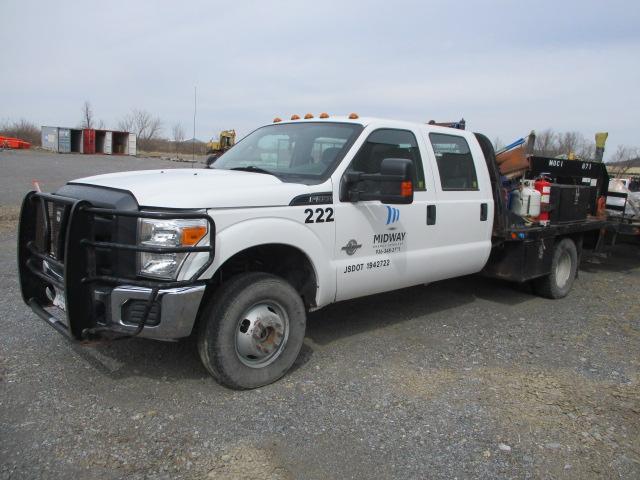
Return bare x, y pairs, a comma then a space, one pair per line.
79, 260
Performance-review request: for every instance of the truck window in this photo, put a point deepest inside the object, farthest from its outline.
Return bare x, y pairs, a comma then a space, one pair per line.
455, 162
326, 149
389, 143
293, 152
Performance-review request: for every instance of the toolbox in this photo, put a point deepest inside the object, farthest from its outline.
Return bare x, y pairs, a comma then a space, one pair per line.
569, 203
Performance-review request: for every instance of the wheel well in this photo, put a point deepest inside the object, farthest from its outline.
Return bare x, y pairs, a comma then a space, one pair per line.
285, 261
577, 238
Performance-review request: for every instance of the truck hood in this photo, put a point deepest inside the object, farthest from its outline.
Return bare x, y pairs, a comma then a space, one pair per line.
202, 188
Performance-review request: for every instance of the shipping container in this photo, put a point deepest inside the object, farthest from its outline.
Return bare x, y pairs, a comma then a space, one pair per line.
76, 140
50, 138
120, 143
133, 147
108, 143
101, 140
64, 140
89, 140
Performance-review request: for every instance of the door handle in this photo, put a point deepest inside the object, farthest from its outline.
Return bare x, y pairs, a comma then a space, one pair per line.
484, 212
431, 214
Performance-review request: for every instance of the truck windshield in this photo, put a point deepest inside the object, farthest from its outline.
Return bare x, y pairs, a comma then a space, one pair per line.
292, 151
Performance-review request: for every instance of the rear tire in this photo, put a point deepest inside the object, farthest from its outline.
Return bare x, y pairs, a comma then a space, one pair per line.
564, 267
251, 330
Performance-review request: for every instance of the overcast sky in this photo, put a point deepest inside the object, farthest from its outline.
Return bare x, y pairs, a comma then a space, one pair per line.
505, 66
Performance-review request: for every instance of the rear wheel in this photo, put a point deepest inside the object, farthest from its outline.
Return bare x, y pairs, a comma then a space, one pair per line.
564, 266
252, 330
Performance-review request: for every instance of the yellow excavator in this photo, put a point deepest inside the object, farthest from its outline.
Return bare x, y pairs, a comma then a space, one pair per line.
225, 141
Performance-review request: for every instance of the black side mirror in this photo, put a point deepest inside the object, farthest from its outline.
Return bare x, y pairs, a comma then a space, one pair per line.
395, 179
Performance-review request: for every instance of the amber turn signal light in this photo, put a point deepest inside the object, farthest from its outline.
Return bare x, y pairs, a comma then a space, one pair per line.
406, 189
192, 235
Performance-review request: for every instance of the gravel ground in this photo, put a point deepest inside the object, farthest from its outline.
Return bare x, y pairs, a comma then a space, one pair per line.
467, 378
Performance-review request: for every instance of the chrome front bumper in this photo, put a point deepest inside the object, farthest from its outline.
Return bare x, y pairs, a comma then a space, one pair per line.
178, 310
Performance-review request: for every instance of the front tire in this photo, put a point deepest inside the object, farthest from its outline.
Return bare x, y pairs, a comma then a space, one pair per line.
564, 266
252, 330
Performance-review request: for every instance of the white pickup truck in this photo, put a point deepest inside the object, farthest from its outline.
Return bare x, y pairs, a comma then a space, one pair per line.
296, 216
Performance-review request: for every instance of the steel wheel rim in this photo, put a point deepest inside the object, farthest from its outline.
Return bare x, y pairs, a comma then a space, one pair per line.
261, 334
563, 269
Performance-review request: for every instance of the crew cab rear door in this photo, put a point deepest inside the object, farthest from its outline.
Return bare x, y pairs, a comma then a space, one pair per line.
465, 206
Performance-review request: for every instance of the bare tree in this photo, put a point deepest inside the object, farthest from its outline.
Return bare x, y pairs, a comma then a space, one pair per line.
143, 124
22, 129
568, 142
87, 115
101, 125
177, 133
546, 143
587, 150
126, 123
624, 153
553, 144
624, 158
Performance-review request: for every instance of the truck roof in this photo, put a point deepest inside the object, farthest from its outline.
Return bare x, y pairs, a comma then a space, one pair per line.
365, 121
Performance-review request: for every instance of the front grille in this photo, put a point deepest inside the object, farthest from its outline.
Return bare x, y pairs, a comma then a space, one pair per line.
104, 230
101, 248
57, 214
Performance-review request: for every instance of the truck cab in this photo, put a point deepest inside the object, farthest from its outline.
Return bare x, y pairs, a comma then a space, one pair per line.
295, 216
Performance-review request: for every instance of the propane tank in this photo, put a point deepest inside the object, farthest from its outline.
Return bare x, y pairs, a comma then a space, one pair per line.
526, 201
543, 185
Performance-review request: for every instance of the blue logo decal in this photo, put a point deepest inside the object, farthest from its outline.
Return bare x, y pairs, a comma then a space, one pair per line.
393, 215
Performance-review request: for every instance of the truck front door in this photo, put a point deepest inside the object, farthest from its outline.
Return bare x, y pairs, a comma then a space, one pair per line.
383, 247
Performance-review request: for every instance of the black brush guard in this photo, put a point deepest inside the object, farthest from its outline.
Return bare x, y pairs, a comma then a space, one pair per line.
66, 244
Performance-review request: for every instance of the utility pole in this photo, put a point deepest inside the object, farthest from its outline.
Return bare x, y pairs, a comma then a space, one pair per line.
193, 139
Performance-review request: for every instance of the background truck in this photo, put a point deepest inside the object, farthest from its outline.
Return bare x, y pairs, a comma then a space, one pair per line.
298, 215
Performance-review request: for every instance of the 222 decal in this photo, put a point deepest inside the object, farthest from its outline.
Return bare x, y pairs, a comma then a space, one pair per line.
322, 215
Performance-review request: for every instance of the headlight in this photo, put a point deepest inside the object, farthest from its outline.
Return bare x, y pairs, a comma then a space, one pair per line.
167, 233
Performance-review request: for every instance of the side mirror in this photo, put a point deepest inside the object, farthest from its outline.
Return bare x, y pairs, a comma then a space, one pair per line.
395, 183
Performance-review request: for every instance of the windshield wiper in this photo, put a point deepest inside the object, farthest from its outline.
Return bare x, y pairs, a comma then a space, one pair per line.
253, 169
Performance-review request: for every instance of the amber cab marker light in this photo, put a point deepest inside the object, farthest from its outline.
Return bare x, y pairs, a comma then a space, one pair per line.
308, 116
406, 189
277, 119
324, 115
192, 235
353, 116
295, 117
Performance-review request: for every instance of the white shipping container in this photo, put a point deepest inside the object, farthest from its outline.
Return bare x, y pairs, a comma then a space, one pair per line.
132, 144
108, 143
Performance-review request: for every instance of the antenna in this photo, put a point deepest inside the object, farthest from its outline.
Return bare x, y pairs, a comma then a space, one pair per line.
193, 139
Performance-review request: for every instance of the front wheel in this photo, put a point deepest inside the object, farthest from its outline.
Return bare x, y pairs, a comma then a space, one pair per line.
564, 266
252, 330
